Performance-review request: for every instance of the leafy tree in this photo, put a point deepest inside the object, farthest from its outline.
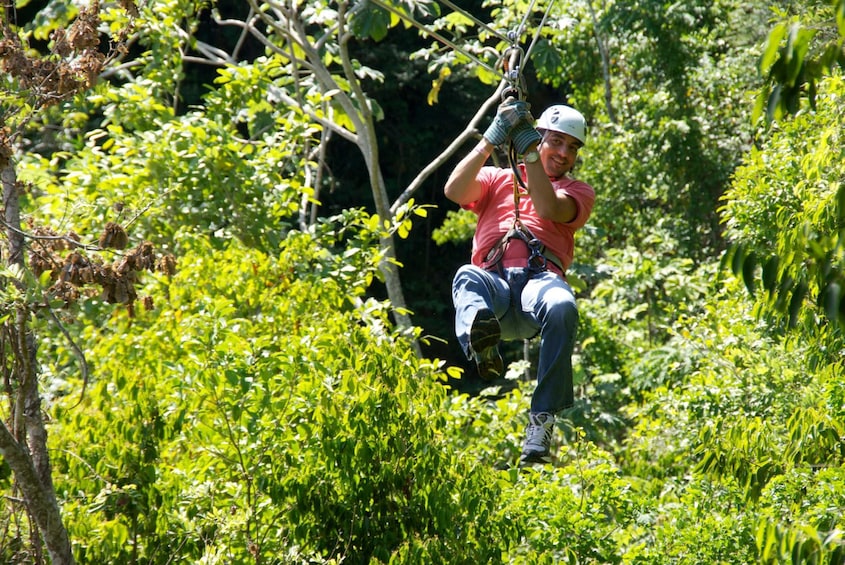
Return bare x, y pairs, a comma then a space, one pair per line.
267, 409
798, 240
278, 417
59, 264
662, 87
785, 210
798, 57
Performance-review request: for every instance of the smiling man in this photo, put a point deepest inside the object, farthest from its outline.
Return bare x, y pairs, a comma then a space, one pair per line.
515, 286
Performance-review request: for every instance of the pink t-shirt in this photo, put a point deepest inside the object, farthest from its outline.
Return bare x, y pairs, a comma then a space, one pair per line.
495, 210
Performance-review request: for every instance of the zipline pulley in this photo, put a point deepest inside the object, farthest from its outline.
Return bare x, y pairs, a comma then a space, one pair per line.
512, 65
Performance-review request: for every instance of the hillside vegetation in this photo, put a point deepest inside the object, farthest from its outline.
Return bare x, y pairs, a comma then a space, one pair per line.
204, 321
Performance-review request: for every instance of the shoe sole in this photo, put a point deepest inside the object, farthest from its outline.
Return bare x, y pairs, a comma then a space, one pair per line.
535, 459
484, 336
485, 332
491, 368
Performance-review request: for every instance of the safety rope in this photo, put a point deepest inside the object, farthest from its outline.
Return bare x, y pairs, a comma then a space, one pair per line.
514, 66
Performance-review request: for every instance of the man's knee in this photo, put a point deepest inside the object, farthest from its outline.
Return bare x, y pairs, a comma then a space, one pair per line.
561, 309
468, 276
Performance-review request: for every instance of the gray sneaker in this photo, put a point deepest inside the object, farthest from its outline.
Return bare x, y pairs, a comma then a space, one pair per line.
538, 438
484, 338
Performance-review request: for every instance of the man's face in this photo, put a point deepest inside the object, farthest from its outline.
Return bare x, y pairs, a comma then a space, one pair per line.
558, 152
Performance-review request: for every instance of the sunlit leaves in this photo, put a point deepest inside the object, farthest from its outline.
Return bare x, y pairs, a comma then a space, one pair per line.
402, 218
56, 14
784, 211
269, 410
458, 227
293, 396
794, 63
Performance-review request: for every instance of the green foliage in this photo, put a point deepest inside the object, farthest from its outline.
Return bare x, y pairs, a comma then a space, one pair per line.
663, 103
575, 509
373, 21
815, 495
784, 214
693, 522
662, 106
797, 58
752, 418
745, 450
458, 227
192, 170
641, 292
267, 409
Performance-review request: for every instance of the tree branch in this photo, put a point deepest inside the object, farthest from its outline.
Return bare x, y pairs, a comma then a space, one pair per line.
316, 66
39, 500
78, 353
605, 65
468, 132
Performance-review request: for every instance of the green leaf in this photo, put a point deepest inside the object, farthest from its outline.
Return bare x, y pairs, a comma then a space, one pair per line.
770, 272
738, 259
796, 551
840, 209
831, 300
797, 47
771, 49
749, 270
773, 104
796, 302
370, 21
840, 16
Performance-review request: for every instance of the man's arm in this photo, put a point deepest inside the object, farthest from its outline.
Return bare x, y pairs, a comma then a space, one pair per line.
462, 187
550, 205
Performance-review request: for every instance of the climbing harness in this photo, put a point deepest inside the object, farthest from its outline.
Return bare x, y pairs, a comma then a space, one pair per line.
539, 257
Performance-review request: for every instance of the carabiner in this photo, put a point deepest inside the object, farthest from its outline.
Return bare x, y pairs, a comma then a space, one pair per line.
512, 64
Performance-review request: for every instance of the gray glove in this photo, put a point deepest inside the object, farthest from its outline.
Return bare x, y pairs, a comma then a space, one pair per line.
510, 113
523, 135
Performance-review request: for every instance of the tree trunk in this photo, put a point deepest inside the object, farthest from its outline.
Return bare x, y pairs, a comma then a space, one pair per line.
605, 65
24, 447
389, 268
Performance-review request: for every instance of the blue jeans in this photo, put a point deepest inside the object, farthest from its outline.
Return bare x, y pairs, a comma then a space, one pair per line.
526, 304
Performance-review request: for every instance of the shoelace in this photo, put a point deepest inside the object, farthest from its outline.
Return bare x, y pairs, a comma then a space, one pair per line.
539, 431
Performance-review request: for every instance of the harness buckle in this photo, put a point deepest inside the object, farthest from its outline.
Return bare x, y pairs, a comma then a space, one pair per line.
537, 260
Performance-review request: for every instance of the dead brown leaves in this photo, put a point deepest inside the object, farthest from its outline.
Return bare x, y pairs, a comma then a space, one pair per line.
77, 271
73, 64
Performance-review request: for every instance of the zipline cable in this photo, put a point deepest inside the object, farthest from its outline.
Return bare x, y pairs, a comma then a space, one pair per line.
539, 29
513, 72
475, 20
437, 36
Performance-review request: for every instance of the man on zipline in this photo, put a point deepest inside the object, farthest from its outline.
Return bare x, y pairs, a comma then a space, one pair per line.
515, 286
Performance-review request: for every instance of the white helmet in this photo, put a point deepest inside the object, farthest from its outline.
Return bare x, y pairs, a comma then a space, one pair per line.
564, 119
